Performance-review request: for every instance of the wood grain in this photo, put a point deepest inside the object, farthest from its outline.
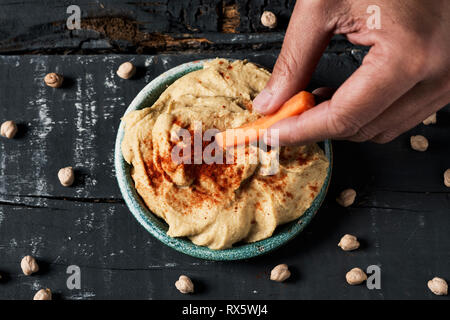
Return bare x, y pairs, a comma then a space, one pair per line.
401, 214
143, 27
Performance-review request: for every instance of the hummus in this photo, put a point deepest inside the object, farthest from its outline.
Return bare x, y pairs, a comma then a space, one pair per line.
217, 205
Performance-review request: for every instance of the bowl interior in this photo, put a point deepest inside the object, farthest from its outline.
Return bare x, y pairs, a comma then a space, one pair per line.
158, 228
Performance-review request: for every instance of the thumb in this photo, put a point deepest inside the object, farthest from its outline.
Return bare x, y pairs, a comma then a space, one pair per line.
306, 38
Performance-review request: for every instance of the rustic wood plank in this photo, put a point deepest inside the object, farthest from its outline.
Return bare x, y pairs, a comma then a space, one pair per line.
401, 214
122, 25
143, 27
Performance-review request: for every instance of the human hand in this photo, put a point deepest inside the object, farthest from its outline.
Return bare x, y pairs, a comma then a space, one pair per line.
403, 79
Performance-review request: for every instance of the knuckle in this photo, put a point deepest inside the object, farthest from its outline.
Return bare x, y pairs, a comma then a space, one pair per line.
328, 14
363, 134
286, 65
385, 137
292, 137
417, 64
414, 65
342, 125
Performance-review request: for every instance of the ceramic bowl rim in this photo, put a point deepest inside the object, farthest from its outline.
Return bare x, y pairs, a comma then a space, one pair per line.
154, 225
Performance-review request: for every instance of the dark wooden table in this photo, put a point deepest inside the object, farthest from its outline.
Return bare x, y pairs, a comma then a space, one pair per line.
402, 213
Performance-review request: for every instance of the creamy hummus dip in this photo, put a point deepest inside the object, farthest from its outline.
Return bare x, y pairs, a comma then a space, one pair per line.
217, 205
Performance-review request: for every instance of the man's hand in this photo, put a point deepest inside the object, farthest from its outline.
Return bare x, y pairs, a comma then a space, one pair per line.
403, 79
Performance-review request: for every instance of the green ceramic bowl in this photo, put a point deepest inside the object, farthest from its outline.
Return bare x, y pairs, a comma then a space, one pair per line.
158, 227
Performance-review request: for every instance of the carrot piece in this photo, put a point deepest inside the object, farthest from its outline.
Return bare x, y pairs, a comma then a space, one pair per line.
250, 132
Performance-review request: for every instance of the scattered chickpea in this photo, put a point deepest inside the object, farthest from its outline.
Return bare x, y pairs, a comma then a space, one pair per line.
346, 198
184, 284
430, 120
419, 143
269, 19
43, 294
355, 276
29, 265
126, 70
438, 286
8, 129
447, 178
280, 273
348, 243
66, 176
54, 80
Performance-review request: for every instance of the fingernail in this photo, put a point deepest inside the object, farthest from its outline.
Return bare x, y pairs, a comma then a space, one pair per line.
262, 101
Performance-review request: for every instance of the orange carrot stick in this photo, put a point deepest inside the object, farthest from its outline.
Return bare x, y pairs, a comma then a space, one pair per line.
250, 132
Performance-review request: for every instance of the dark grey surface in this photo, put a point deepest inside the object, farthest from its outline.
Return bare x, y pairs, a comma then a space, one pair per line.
122, 26
402, 213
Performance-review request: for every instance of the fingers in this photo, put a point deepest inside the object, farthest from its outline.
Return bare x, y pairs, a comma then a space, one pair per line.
306, 38
412, 108
394, 132
423, 111
364, 96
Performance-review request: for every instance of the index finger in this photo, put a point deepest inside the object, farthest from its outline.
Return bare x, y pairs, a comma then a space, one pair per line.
306, 38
